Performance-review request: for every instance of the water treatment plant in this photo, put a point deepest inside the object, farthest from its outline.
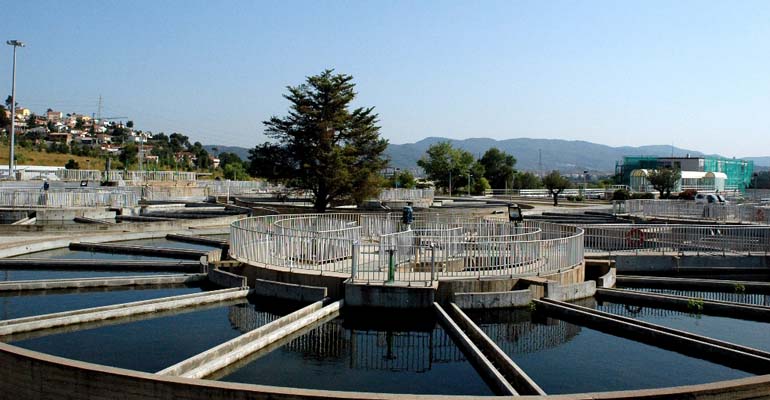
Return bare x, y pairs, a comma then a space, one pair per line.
191, 292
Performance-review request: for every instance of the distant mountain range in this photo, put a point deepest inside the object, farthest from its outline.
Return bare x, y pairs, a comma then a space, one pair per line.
567, 156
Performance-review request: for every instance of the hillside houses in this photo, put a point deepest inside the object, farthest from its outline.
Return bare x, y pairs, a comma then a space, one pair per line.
81, 134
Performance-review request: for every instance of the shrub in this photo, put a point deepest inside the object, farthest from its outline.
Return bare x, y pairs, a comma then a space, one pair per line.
695, 305
688, 194
643, 196
621, 194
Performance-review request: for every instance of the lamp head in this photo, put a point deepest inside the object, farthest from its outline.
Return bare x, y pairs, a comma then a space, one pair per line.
15, 43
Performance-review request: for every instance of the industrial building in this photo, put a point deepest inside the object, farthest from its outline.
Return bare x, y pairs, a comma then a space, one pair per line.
705, 174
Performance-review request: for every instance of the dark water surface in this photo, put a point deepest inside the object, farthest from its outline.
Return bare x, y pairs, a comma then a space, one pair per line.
747, 298
420, 359
39, 302
566, 358
747, 333
67, 254
169, 244
155, 343
33, 274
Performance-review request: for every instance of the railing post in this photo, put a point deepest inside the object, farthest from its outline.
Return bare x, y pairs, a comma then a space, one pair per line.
432, 263
391, 265
354, 261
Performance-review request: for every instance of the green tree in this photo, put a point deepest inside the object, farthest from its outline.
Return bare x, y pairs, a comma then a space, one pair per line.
79, 123
498, 168
402, 179
235, 171
72, 164
322, 145
664, 180
130, 124
5, 121
178, 142
527, 180
442, 161
8, 101
228, 158
35, 135
32, 121
480, 186
555, 183
128, 155
202, 159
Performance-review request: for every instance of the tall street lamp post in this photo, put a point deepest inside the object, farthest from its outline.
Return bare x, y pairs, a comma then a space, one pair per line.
11, 163
469, 184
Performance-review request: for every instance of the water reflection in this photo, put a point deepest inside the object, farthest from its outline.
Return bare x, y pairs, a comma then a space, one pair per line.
403, 353
747, 298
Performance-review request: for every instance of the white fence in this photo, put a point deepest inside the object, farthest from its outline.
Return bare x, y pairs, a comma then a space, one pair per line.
426, 195
227, 187
173, 193
68, 198
135, 177
79, 175
684, 209
592, 192
376, 248
709, 239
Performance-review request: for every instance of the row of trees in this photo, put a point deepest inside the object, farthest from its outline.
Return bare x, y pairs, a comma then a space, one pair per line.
449, 168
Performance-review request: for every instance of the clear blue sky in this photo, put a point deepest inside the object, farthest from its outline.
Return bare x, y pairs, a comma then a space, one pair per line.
692, 73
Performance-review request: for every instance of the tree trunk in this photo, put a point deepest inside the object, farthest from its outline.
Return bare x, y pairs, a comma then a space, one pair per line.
320, 201
555, 199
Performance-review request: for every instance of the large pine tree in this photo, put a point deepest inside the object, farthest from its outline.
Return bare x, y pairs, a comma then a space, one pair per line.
321, 145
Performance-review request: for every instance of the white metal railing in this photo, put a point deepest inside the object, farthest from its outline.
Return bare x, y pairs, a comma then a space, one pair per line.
79, 175
545, 193
407, 195
378, 248
158, 176
166, 193
685, 209
129, 176
68, 198
222, 188
677, 238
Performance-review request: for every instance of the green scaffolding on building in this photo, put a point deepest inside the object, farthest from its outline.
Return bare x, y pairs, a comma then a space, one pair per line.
739, 172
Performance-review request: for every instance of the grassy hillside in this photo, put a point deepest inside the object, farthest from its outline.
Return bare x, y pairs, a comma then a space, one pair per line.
32, 157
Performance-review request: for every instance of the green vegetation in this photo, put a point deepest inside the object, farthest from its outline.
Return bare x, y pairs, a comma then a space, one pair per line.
446, 166
621, 194
664, 180
39, 156
72, 164
5, 122
555, 183
695, 305
402, 179
739, 288
452, 168
527, 180
323, 146
498, 168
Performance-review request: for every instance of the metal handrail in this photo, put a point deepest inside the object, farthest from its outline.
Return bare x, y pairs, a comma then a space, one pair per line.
677, 238
688, 209
404, 255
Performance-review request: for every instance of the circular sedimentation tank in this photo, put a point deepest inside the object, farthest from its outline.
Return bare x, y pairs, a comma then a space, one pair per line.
460, 252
